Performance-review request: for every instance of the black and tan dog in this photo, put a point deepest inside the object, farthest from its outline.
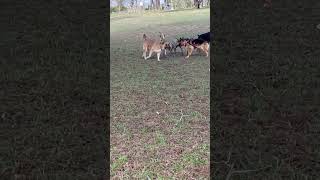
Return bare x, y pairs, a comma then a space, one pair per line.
205, 36
171, 46
181, 43
174, 44
192, 44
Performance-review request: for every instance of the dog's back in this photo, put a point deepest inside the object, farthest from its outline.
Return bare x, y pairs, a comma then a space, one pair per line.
205, 36
149, 43
197, 41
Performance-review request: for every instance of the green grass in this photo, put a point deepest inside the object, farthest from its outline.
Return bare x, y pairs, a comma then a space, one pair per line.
160, 139
158, 20
118, 163
192, 159
147, 98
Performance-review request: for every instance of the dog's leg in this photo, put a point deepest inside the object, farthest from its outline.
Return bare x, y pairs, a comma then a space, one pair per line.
198, 49
202, 49
181, 50
165, 52
150, 53
158, 55
205, 51
189, 51
144, 54
206, 48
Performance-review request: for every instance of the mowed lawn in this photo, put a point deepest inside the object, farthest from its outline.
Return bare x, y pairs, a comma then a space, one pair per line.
159, 110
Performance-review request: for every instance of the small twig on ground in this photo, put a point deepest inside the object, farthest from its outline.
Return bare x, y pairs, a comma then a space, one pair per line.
227, 161
254, 85
231, 172
231, 166
264, 97
182, 115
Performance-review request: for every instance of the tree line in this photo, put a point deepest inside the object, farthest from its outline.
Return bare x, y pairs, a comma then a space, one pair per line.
123, 5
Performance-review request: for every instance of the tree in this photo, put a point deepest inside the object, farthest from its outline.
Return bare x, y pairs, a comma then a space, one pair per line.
197, 3
120, 4
155, 4
158, 4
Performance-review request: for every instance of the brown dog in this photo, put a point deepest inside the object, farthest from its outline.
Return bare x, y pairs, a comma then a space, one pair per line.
196, 44
153, 45
182, 43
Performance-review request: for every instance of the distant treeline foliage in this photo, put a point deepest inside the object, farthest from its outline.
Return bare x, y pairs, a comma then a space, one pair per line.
126, 5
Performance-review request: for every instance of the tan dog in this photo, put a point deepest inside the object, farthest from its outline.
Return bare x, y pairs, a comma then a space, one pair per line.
153, 45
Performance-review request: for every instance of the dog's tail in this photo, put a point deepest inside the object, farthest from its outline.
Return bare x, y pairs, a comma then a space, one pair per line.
144, 36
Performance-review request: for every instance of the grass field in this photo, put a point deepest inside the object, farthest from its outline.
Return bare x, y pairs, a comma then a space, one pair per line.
159, 110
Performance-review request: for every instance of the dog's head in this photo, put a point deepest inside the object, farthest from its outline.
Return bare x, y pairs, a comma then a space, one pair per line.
183, 41
167, 45
144, 36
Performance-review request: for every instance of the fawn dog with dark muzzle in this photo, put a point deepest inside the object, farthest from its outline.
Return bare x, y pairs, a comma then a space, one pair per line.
153, 45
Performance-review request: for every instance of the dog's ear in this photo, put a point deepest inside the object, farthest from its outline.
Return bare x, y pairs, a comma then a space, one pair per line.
161, 35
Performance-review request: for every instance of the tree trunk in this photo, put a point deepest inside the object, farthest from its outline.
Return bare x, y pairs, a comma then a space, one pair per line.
197, 3
119, 4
